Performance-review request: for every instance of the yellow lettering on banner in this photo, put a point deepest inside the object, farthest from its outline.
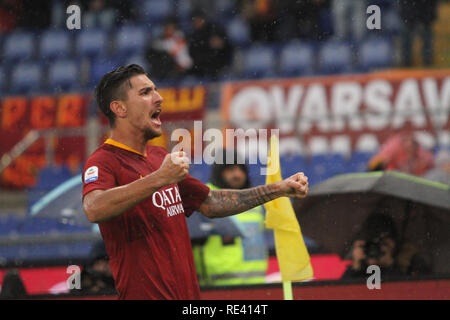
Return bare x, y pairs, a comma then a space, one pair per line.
169, 96
12, 111
41, 112
70, 109
186, 99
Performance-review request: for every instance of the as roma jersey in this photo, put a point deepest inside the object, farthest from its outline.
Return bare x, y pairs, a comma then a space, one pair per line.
149, 245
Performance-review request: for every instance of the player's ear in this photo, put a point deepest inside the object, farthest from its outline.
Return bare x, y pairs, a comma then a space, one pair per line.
119, 108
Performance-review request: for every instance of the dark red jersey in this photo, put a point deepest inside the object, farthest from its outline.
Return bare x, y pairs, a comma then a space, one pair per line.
149, 245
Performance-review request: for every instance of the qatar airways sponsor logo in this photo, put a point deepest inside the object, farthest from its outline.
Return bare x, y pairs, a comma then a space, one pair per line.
168, 199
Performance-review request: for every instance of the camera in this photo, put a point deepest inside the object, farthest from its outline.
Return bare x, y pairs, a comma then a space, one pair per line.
372, 248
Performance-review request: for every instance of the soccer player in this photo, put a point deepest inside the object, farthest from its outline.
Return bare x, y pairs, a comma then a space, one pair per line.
139, 194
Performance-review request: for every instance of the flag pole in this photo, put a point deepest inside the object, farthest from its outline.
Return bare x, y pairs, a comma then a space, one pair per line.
287, 290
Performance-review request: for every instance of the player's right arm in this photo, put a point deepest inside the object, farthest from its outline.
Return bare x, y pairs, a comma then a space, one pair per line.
103, 205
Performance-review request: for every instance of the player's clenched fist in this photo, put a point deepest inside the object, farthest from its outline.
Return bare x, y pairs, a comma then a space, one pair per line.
295, 186
175, 167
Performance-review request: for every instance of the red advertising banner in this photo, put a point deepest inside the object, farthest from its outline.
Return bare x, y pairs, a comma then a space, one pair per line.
20, 115
343, 113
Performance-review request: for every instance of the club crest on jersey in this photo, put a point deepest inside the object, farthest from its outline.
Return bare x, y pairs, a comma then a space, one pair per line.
91, 174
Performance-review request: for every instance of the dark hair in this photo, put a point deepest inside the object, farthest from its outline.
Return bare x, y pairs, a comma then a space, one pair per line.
110, 88
217, 170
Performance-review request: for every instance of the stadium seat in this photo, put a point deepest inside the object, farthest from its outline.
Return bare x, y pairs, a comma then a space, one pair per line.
323, 166
9, 224
291, 164
64, 75
55, 44
259, 62
359, 161
101, 66
26, 78
296, 59
39, 226
2, 80
18, 46
375, 53
130, 40
238, 32
224, 11
155, 11
138, 59
91, 43
335, 57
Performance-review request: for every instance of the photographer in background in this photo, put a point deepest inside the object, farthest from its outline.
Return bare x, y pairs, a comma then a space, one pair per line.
378, 244
375, 245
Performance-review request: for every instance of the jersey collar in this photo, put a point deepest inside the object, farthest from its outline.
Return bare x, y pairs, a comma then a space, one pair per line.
122, 146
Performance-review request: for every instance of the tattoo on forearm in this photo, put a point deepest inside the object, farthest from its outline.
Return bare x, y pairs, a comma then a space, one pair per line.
222, 203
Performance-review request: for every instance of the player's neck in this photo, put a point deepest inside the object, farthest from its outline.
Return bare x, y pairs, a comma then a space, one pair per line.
132, 141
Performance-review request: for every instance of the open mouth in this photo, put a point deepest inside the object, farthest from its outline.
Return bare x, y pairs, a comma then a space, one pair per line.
155, 117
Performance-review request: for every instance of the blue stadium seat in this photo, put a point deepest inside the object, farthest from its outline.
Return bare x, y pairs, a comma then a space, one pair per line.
9, 224
238, 32
155, 11
101, 66
64, 75
360, 160
91, 43
130, 40
259, 61
26, 78
291, 165
18, 46
39, 226
55, 44
138, 59
335, 57
297, 59
375, 53
224, 11
2, 79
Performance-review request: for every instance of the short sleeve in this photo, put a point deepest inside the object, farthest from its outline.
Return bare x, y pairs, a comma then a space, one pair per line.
98, 173
193, 193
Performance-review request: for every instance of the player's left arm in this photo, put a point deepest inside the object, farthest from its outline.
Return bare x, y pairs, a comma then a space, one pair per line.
223, 203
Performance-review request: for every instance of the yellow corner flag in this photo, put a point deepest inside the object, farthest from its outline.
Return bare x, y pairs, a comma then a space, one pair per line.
293, 257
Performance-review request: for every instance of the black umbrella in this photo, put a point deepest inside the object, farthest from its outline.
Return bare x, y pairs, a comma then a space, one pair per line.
335, 210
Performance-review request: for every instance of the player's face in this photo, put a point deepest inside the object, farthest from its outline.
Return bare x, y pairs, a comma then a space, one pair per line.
144, 106
234, 176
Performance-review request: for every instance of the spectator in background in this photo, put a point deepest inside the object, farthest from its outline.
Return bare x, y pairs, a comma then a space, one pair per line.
229, 260
209, 48
13, 287
403, 153
168, 56
98, 15
96, 276
349, 19
378, 244
441, 173
262, 17
375, 245
301, 19
418, 17
10, 10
